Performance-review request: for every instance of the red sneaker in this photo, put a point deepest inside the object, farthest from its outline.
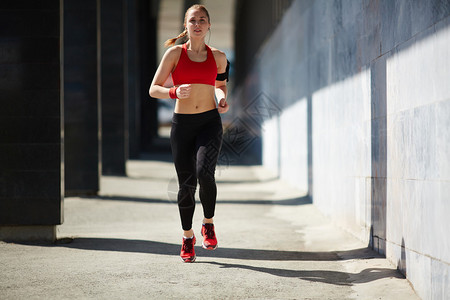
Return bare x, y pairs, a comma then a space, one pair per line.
187, 250
209, 237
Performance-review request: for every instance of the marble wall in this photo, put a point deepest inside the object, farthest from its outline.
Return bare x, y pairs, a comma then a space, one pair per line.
418, 157
363, 123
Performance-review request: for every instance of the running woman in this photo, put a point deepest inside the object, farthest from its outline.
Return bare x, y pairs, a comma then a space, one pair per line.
199, 74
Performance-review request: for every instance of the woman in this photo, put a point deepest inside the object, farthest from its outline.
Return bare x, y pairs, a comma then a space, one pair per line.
199, 73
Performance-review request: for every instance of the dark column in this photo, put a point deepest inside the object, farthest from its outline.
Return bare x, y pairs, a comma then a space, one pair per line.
81, 98
31, 118
114, 97
253, 24
148, 59
133, 82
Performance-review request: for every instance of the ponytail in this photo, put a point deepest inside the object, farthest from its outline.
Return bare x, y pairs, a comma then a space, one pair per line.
171, 42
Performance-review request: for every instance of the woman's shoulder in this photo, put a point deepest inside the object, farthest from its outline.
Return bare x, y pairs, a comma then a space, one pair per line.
217, 51
171, 56
173, 51
218, 55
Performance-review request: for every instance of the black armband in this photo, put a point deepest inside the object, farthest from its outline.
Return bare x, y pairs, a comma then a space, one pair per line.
223, 76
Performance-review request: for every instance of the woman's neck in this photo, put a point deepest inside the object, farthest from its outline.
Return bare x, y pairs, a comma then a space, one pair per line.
196, 45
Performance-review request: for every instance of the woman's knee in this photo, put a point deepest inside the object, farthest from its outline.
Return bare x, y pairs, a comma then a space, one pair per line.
206, 176
186, 196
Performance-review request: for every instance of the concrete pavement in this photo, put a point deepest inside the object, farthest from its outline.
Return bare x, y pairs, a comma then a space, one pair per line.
125, 243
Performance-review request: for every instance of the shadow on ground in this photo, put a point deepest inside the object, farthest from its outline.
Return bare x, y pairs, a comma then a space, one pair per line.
292, 201
161, 248
324, 276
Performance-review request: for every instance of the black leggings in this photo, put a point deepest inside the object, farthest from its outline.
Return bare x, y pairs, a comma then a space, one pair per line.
196, 140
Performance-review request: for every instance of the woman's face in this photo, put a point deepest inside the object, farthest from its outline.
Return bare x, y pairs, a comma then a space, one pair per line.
197, 23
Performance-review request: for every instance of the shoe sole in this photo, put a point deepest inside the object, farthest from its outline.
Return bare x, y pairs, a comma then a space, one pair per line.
209, 247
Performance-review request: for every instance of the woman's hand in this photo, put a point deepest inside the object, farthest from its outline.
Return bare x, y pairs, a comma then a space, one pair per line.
183, 91
223, 106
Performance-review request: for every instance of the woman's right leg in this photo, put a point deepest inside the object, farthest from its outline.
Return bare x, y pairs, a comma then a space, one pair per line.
183, 152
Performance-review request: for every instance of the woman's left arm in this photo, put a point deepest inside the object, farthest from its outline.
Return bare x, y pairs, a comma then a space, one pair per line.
221, 85
221, 94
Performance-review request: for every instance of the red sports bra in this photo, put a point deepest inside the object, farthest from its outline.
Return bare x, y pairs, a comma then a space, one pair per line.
188, 71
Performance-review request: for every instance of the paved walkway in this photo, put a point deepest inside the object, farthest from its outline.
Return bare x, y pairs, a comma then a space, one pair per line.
124, 244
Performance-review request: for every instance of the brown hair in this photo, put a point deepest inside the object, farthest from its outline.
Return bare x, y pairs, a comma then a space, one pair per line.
171, 42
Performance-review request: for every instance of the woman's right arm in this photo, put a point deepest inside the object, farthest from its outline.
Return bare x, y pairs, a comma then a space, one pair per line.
157, 89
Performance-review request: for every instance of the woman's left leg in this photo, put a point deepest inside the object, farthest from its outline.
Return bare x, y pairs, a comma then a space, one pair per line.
209, 143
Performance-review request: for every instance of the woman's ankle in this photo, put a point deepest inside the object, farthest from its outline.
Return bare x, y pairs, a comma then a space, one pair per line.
208, 221
188, 233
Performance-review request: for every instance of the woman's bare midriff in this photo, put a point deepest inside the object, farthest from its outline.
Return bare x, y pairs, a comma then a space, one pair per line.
201, 99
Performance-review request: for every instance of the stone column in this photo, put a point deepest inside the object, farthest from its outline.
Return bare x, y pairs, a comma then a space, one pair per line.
81, 98
31, 118
114, 94
148, 62
132, 80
